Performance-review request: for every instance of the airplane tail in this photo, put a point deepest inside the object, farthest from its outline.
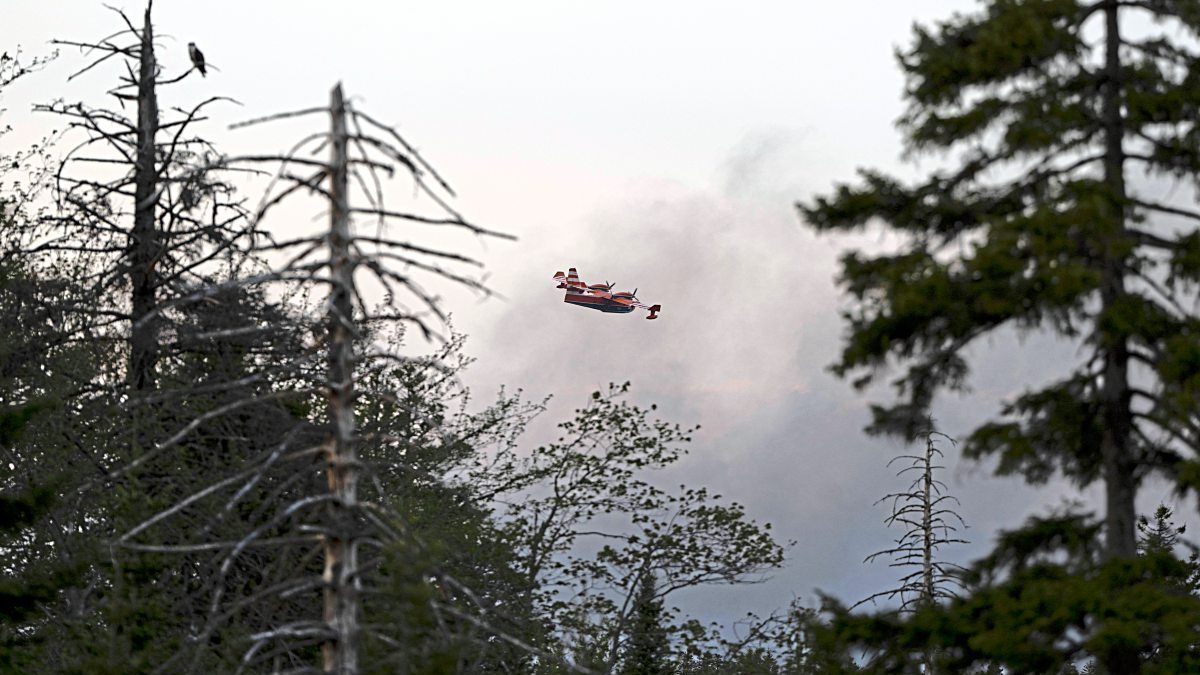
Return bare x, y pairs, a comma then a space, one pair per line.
561, 279
654, 311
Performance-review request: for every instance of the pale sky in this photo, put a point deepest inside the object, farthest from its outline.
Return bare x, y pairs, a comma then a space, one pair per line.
654, 144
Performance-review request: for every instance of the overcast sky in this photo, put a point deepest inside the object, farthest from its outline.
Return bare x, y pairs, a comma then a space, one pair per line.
654, 144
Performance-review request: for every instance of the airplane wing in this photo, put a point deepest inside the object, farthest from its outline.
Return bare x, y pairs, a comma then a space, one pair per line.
653, 309
629, 300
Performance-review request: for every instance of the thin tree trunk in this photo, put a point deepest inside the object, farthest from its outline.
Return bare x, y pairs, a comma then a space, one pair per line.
145, 247
1121, 538
927, 590
1119, 480
927, 525
341, 565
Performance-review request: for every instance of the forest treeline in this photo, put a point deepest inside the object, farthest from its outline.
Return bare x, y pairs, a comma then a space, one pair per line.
220, 454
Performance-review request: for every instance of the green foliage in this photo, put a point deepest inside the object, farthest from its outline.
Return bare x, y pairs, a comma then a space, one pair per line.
793, 641
13, 421
751, 661
1035, 606
590, 491
1060, 429
35, 572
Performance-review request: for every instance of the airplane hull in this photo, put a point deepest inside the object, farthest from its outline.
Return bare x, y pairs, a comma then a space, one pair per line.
597, 303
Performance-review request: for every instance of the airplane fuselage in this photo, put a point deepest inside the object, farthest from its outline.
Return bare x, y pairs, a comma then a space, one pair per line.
596, 302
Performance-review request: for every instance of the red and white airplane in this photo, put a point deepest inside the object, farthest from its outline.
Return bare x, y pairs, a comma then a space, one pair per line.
600, 296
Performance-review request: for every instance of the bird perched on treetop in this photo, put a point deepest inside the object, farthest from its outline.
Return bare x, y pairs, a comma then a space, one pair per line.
197, 59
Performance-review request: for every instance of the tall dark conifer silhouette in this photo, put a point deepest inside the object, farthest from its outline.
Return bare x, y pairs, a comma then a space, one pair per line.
1049, 108
1058, 115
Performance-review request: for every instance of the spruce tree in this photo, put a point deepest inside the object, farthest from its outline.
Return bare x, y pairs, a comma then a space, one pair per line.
647, 651
1049, 109
1161, 536
1049, 113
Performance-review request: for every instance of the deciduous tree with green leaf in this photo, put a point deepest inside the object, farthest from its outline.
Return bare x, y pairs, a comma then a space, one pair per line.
587, 523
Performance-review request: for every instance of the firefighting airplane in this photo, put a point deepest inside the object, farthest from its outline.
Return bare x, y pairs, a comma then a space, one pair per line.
600, 296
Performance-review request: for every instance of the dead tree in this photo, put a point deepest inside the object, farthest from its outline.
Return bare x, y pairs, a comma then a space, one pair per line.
926, 513
341, 577
334, 521
140, 218
137, 201
145, 245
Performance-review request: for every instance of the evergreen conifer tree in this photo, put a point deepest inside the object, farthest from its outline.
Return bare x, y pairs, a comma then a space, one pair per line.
1057, 114
647, 650
1160, 536
1052, 108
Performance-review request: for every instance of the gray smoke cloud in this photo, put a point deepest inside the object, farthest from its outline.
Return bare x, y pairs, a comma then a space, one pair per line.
749, 324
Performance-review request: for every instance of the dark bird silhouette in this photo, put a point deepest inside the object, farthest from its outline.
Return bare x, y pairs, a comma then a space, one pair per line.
197, 59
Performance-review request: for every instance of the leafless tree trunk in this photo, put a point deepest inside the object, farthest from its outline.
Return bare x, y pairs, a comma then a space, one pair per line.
928, 596
135, 224
342, 583
929, 523
145, 246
